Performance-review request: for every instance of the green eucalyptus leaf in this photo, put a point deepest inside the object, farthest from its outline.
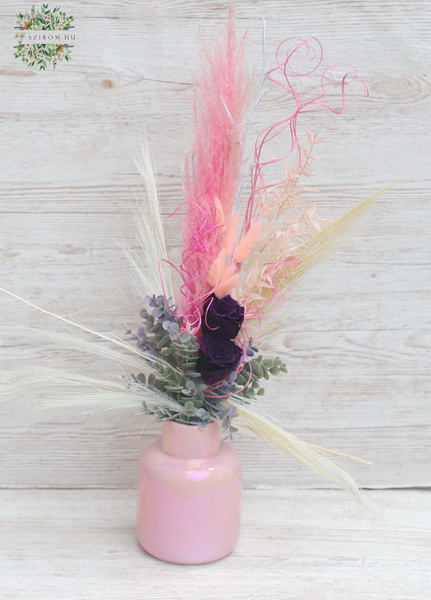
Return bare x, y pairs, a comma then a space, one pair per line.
268, 363
173, 388
185, 336
189, 365
165, 341
256, 368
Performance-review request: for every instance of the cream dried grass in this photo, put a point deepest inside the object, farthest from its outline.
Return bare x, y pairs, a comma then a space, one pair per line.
151, 272
72, 341
309, 454
56, 389
327, 240
310, 254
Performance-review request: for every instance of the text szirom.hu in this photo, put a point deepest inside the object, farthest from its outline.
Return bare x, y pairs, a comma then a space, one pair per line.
46, 37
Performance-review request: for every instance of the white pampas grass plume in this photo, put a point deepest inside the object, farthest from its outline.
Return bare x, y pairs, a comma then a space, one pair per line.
261, 427
80, 344
130, 356
55, 389
151, 274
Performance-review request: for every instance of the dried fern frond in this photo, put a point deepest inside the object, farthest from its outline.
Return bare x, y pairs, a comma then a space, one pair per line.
288, 221
316, 249
326, 241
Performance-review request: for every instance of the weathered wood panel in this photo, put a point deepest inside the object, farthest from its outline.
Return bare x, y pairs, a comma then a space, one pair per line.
80, 545
358, 341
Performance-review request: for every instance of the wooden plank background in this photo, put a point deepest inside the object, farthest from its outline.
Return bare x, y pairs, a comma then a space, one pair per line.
358, 344
80, 545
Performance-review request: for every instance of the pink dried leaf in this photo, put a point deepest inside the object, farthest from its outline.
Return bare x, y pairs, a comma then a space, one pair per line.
217, 268
247, 243
225, 287
230, 233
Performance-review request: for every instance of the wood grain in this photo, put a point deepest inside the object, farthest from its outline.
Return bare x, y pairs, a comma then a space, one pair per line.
76, 545
359, 326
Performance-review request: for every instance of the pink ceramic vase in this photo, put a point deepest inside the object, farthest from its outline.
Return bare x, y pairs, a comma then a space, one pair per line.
189, 495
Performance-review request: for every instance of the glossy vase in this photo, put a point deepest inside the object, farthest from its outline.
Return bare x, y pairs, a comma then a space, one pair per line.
189, 495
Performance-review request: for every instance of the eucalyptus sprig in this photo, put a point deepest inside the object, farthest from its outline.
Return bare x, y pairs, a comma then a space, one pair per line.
175, 372
162, 336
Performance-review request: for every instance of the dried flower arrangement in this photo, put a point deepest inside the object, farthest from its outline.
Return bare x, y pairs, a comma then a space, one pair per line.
196, 355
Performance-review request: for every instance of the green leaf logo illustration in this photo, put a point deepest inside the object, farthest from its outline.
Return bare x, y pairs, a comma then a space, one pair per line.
41, 55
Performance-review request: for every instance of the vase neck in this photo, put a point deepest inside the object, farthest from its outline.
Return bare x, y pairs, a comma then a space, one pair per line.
188, 441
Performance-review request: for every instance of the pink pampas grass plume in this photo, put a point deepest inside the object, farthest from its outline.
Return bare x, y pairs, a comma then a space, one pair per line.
213, 169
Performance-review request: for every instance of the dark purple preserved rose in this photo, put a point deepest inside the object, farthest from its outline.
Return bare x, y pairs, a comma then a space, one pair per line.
217, 358
222, 317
